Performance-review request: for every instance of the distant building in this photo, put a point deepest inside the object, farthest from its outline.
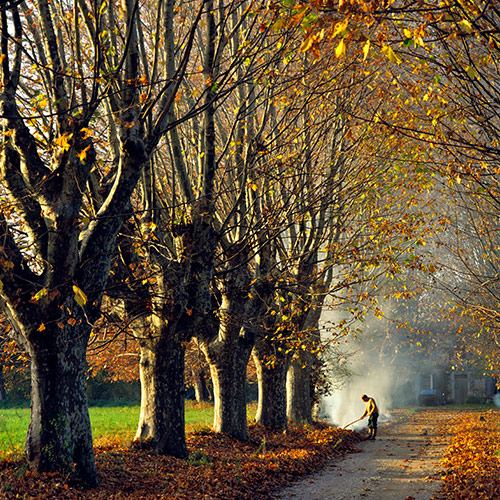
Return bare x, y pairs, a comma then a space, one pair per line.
457, 387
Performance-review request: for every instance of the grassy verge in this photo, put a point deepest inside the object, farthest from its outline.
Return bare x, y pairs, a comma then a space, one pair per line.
109, 423
13, 426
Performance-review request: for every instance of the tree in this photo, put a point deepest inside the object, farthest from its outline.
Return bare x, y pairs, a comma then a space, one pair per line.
451, 89
65, 73
169, 291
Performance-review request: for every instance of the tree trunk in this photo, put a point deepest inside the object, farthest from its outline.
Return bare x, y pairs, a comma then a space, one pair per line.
162, 420
271, 377
229, 370
229, 352
59, 435
3, 393
298, 388
200, 385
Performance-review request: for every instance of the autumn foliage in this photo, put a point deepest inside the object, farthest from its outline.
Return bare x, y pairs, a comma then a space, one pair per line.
218, 467
472, 460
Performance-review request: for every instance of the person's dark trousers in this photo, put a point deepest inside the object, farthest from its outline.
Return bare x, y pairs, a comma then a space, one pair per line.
372, 425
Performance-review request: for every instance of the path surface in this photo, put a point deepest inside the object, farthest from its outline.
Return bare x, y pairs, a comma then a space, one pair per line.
402, 464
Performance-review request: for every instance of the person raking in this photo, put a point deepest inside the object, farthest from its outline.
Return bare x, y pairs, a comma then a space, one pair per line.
371, 411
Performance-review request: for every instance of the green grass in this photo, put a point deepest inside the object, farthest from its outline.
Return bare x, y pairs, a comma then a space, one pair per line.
109, 423
13, 426
472, 406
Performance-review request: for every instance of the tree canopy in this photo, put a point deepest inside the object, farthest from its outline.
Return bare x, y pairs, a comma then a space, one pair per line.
226, 172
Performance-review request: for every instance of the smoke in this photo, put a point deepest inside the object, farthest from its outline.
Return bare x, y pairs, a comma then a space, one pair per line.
369, 377
376, 369
496, 399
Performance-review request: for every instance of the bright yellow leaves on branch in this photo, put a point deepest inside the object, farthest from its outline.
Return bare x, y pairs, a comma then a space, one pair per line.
80, 297
41, 293
340, 50
87, 132
83, 154
466, 25
63, 141
391, 55
339, 29
366, 49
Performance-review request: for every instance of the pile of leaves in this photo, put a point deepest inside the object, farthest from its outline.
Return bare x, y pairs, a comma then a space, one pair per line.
218, 467
472, 460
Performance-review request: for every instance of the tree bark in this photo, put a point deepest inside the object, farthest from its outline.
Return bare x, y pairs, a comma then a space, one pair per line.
201, 391
271, 377
59, 435
299, 396
161, 332
228, 355
162, 420
228, 369
3, 393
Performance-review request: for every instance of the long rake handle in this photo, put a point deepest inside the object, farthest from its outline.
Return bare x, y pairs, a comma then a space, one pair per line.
353, 422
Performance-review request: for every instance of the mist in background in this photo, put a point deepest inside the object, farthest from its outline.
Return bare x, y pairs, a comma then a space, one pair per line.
376, 369
369, 376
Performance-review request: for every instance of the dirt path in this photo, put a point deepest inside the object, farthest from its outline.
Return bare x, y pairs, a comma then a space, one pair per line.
403, 463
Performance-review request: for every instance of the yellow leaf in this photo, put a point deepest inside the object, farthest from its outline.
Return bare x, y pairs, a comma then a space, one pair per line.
407, 33
2, 57
279, 24
306, 44
366, 49
63, 141
87, 132
83, 154
254, 187
419, 41
41, 328
466, 25
471, 72
41, 293
339, 27
391, 55
340, 50
80, 297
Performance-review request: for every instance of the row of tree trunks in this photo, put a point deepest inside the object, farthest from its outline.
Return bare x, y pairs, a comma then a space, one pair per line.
228, 368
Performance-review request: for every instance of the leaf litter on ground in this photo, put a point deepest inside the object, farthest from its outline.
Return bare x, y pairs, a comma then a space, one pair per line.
218, 467
222, 468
